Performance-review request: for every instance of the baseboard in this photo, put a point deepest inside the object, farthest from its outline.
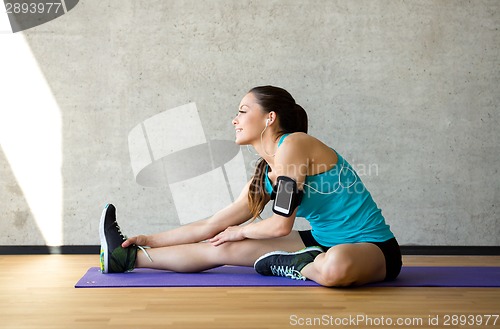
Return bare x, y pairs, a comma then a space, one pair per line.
46, 250
405, 250
451, 250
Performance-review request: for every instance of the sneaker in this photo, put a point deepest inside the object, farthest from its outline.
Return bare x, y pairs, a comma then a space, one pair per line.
286, 264
114, 258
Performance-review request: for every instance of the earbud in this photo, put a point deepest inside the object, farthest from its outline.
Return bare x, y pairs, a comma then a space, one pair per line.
268, 120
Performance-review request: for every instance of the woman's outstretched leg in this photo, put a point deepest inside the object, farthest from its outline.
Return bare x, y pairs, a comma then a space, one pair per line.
190, 257
201, 256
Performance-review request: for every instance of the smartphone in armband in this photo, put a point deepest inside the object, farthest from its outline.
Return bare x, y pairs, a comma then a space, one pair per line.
287, 196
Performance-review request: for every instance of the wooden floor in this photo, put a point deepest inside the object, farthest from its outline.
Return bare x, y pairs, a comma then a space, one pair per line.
38, 292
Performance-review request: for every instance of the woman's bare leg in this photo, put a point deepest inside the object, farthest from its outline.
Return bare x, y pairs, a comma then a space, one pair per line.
196, 257
347, 264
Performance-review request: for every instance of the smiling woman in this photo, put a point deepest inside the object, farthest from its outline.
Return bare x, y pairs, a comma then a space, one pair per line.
349, 244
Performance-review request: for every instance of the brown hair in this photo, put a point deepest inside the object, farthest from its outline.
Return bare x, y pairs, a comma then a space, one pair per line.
292, 118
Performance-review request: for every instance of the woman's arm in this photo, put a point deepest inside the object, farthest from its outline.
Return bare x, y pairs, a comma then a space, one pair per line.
291, 160
234, 214
273, 227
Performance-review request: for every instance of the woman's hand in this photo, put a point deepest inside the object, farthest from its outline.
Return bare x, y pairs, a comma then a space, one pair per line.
140, 240
232, 233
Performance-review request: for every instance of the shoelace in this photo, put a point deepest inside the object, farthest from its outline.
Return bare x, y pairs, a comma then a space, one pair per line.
124, 237
287, 271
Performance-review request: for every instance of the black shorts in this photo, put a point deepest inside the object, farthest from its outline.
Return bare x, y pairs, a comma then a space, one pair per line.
390, 249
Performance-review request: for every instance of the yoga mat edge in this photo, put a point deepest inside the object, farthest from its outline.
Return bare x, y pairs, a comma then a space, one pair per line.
239, 276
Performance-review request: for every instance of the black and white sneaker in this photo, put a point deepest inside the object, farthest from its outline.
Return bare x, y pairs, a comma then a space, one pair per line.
114, 258
286, 264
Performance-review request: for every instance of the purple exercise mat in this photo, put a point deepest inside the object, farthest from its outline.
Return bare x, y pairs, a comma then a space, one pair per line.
239, 276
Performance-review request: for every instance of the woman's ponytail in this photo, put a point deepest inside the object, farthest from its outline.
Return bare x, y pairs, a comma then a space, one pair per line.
301, 119
257, 191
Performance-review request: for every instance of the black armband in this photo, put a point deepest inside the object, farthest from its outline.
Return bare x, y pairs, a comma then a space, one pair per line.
286, 196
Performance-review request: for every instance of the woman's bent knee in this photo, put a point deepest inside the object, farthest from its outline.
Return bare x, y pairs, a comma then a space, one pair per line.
346, 265
337, 269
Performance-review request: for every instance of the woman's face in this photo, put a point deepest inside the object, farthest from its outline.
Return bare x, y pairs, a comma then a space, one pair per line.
250, 121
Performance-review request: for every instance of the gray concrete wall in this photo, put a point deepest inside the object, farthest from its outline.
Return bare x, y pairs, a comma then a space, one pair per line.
407, 91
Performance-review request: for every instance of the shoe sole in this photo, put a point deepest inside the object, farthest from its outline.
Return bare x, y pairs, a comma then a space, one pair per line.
281, 252
104, 244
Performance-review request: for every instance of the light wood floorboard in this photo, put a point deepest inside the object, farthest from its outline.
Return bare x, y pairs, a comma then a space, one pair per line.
38, 292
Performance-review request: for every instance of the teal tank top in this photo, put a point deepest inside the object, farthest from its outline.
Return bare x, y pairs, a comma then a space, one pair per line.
339, 207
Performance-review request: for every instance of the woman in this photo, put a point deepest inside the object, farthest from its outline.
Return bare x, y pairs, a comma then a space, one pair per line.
349, 244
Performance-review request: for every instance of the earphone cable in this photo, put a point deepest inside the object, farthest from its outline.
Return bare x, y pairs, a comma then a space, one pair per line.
340, 183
